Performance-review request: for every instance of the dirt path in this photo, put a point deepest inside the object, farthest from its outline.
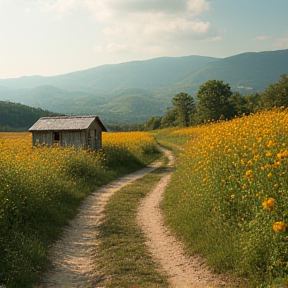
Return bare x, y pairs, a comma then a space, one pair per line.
72, 256
183, 271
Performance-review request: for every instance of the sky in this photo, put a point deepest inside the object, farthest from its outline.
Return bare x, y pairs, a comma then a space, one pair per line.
53, 37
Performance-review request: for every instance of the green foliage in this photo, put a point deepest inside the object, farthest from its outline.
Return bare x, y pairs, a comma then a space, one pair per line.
90, 167
184, 106
118, 157
169, 119
182, 113
239, 104
18, 117
276, 95
152, 123
254, 103
122, 258
213, 101
217, 102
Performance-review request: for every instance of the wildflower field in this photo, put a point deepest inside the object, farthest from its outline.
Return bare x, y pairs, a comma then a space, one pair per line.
228, 198
41, 188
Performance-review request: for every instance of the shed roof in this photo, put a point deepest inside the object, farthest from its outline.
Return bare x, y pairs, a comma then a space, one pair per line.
65, 123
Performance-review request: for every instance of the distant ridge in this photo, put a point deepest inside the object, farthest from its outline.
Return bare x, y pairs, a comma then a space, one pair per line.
134, 91
17, 117
158, 72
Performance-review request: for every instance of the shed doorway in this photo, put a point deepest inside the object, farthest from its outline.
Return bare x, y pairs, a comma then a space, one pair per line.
56, 137
92, 139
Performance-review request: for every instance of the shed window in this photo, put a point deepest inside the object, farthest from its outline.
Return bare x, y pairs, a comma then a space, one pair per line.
56, 137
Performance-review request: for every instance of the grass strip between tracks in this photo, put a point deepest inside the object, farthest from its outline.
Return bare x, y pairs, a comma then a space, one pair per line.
122, 256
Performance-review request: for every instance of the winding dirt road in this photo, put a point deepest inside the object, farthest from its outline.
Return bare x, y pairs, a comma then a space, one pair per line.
183, 271
72, 256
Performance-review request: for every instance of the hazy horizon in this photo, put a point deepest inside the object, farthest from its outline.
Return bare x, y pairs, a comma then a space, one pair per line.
56, 37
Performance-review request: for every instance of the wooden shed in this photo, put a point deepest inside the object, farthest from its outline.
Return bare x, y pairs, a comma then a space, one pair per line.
78, 131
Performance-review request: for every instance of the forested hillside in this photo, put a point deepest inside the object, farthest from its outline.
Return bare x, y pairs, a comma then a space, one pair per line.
134, 91
18, 117
216, 101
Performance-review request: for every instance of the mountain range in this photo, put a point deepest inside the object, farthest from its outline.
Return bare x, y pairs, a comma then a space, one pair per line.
134, 91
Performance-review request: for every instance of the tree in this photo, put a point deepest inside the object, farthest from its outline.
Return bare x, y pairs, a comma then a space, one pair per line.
152, 123
169, 119
276, 95
213, 101
184, 106
254, 102
238, 104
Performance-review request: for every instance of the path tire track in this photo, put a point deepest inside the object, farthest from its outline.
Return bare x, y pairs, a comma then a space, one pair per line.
72, 256
182, 270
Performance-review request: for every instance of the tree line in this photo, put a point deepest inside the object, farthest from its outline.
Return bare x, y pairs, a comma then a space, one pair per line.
17, 117
215, 101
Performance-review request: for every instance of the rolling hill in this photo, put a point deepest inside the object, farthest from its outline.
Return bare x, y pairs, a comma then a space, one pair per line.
132, 92
17, 117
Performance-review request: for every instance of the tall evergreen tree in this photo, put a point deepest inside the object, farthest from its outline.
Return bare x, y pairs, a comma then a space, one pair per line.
184, 106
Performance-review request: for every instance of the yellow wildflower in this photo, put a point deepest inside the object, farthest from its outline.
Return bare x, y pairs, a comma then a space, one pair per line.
249, 163
268, 204
271, 144
279, 226
248, 173
256, 157
282, 155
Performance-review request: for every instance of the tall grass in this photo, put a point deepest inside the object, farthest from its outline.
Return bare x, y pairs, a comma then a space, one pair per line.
228, 198
41, 188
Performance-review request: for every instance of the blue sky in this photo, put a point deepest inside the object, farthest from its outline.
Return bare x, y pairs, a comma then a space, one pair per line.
52, 37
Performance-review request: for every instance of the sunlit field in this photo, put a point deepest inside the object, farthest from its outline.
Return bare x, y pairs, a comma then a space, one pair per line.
41, 188
134, 147
228, 198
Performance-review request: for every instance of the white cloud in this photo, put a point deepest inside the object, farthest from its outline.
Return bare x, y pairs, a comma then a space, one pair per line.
116, 8
152, 26
111, 48
194, 7
59, 6
281, 43
155, 32
171, 19
176, 29
214, 39
261, 38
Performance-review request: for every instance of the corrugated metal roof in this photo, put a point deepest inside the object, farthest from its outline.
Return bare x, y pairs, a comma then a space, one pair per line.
65, 123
